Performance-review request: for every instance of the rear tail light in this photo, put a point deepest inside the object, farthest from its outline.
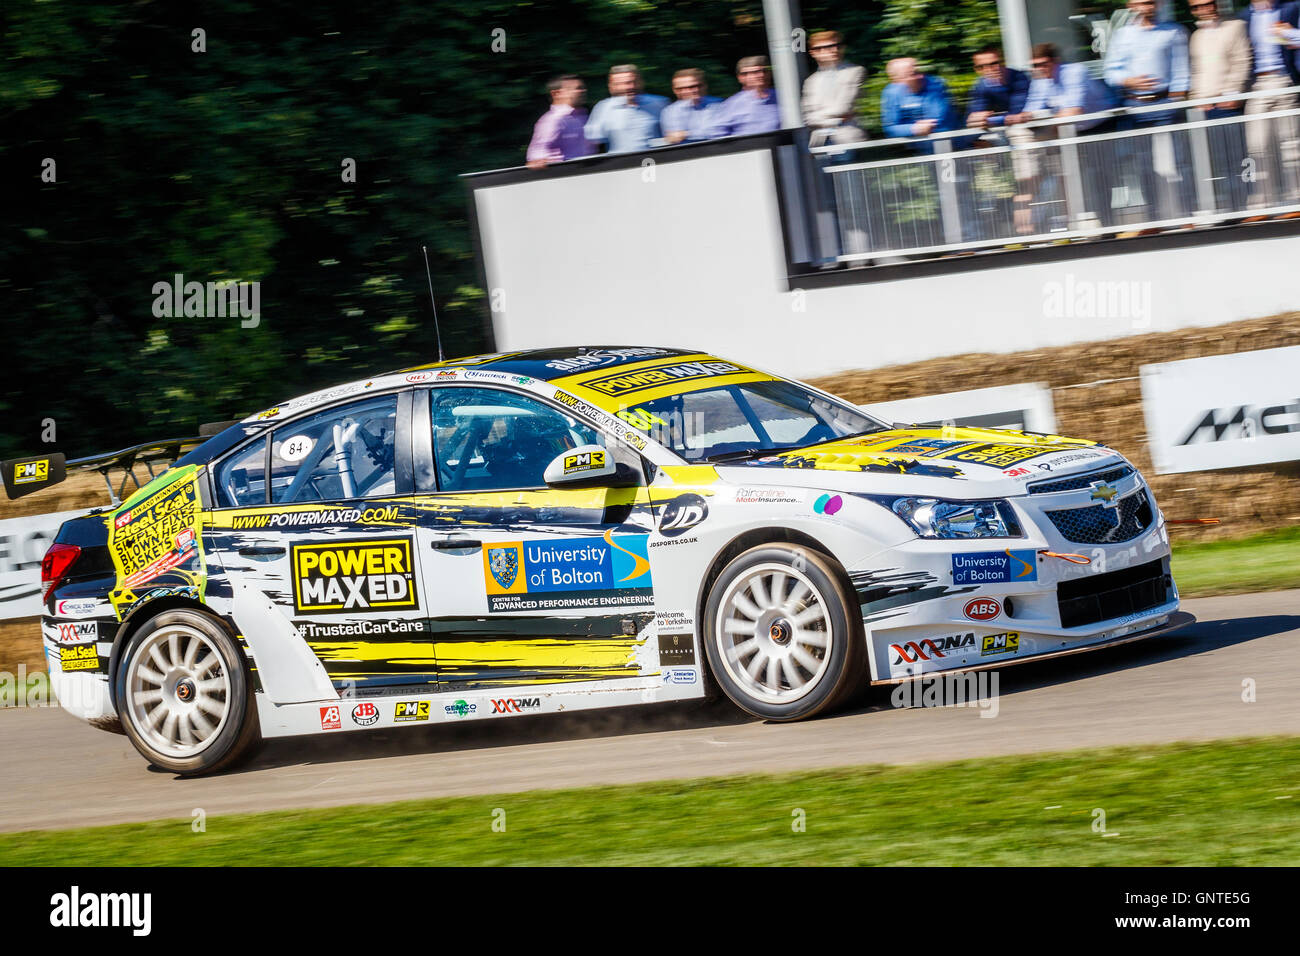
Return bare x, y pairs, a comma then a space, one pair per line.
56, 563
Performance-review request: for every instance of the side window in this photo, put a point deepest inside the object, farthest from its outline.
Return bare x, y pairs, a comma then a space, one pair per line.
241, 478
341, 453
486, 439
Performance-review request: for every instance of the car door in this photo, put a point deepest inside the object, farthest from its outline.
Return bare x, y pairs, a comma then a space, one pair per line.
322, 526
527, 584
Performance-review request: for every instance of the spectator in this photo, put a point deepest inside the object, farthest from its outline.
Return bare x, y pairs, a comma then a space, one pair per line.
830, 92
753, 109
690, 118
558, 134
1272, 143
1000, 91
1147, 61
1220, 58
628, 120
1059, 90
914, 104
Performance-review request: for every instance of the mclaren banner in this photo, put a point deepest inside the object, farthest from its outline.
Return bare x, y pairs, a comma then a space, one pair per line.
1224, 411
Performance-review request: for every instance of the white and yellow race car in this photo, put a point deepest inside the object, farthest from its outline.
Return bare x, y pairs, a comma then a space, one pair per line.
554, 530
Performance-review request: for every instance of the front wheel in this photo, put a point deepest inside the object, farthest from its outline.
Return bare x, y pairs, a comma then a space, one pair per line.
781, 639
183, 694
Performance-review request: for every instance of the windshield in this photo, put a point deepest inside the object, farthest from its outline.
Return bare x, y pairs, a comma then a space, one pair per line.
741, 420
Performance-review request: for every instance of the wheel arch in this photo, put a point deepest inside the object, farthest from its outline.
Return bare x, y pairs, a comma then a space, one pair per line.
752, 539
140, 616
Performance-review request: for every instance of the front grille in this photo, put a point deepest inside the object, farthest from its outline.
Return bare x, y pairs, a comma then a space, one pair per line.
1101, 525
1103, 597
1076, 482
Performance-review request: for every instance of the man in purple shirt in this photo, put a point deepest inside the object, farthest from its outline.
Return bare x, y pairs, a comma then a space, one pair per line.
558, 134
753, 109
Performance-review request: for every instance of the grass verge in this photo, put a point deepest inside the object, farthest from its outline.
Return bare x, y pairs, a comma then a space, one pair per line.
1226, 803
1261, 562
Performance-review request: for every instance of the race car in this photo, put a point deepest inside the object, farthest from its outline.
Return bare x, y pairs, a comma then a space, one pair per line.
554, 530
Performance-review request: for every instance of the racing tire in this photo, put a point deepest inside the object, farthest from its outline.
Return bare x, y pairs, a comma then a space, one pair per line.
183, 694
781, 635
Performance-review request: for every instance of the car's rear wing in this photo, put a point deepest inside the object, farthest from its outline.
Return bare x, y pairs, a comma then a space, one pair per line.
22, 476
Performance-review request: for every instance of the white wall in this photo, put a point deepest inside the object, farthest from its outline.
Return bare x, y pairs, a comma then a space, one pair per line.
689, 253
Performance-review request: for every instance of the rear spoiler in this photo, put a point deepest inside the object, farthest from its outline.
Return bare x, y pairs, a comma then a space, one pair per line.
22, 476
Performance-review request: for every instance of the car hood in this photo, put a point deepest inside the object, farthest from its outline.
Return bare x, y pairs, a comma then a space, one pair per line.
954, 462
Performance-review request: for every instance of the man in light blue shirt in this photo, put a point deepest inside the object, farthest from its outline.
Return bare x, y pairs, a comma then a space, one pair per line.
753, 109
1063, 89
1148, 61
689, 118
629, 119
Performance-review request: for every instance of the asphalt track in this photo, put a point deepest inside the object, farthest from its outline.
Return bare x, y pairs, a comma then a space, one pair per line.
1186, 685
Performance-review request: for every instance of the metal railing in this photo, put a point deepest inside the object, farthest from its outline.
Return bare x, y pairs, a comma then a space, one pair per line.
1155, 167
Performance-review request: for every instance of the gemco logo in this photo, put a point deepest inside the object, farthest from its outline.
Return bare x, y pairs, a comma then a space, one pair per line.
982, 609
354, 576
29, 471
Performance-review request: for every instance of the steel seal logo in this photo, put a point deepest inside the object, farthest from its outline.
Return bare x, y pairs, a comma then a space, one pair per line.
354, 576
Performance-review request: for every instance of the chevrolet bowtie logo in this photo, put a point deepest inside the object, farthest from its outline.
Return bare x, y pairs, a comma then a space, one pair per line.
1103, 492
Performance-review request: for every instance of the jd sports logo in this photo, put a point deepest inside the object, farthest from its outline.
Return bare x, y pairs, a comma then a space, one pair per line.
1245, 421
354, 576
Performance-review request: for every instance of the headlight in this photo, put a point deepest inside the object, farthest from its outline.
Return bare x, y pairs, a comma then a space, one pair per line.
937, 518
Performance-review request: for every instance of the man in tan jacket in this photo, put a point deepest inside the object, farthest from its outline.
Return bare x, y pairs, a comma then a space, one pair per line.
1221, 58
830, 92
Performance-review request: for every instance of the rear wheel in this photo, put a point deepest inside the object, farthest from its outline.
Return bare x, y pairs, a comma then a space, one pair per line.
183, 694
781, 639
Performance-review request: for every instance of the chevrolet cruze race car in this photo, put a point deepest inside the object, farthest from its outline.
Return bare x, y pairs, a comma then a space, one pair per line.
547, 531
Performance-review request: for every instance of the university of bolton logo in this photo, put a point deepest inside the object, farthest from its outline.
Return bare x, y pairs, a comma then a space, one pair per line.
504, 563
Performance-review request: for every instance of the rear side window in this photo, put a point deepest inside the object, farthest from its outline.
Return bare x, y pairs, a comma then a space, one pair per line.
338, 454
241, 479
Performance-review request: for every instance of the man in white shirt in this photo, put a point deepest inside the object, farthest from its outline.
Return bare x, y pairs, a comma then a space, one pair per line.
830, 92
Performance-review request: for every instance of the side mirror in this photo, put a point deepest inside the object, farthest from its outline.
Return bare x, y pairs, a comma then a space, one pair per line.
588, 466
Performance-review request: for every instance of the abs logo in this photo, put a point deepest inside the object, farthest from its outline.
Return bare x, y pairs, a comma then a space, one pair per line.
365, 714
681, 514
331, 718
409, 710
352, 576
982, 609
515, 705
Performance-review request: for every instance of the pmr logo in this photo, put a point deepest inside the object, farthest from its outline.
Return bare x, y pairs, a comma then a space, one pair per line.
26, 472
408, 710
583, 461
354, 576
1008, 643
504, 565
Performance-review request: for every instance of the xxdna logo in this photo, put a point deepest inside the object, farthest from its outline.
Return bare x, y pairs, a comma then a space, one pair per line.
515, 705
928, 649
